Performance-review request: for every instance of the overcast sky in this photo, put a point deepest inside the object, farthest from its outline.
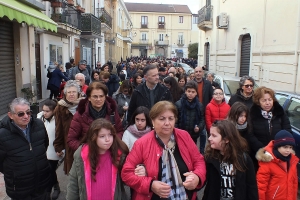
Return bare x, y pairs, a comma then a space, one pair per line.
192, 4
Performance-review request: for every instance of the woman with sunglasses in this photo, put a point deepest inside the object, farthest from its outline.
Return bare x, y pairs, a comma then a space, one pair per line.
244, 93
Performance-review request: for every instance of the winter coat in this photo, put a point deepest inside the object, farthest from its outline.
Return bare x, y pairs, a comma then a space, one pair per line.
63, 118
82, 121
147, 151
274, 180
260, 125
56, 78
120, 100
131, 72
238, 97
75, 70
140, 97
24, 164
207, 92
113, 84
245, 182
215, 111
189, 124
80, 184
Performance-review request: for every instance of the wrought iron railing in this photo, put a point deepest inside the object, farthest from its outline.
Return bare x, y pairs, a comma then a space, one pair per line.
69, 16
205, 14
144, 41
161, 25
106, 18
180, 42
90, 23
143, 25
159, 42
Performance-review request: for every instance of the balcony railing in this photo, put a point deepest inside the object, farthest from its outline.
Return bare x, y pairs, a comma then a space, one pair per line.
205, 19
106, 18
90, 25
159, 42
144, 41
161, 25
69, 16
144, 25
180, 42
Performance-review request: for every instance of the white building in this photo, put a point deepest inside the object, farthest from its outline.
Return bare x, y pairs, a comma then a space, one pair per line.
259, 38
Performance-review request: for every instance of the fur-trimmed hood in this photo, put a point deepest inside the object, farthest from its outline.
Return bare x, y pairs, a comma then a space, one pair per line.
276, 111
110, 105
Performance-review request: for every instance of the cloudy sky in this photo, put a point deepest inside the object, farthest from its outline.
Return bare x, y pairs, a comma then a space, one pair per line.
192, 4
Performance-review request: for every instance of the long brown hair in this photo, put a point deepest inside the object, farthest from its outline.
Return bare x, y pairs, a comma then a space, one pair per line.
233, 150
91, 139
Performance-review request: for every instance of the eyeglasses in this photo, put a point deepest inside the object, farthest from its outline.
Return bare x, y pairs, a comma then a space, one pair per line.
21, 114
247, 86
218, 93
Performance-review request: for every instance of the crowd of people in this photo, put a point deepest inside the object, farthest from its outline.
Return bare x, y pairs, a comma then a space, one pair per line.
139, 127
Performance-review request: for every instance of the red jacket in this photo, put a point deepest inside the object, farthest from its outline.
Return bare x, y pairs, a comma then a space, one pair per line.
82, 121
273, 179
214, 112
147, 151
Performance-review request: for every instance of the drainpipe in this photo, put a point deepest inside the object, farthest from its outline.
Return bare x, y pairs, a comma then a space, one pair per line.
263, 36
296, 63
217, 37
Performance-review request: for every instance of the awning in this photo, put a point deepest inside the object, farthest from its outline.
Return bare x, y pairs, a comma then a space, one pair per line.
24, 13
179, 51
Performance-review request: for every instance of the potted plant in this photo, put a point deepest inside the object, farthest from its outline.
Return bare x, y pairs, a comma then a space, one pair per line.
30, 96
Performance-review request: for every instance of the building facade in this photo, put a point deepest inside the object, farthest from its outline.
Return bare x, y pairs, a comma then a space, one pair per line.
161, 29
256, 38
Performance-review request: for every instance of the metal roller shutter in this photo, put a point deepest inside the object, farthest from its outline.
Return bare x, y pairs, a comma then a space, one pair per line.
7, 66
245, 55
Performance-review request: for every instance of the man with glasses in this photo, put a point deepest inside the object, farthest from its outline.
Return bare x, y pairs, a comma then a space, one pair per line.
23, 145
244, 93
205, 93
98, 66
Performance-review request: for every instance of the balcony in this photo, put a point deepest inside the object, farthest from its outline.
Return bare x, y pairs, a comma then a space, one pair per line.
180, 43
144, 41
161, 25
161, 43
144, 25
68, 19
127, 35
106, 20
90, 26
205, 20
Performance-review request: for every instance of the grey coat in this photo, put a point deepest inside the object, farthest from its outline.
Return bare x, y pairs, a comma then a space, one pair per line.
75, 70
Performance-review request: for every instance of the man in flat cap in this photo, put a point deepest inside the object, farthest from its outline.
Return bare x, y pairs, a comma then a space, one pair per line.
80, 69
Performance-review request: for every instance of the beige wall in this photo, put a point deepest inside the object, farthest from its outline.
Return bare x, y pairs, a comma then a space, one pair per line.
274, 30
172, 28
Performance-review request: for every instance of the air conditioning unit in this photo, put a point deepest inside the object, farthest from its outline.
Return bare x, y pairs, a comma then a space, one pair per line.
59, 10
222, 21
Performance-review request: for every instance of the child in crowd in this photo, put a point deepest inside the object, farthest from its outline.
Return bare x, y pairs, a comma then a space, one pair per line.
277, 179
47, 116
190, 111
217, 109
139, 125
230, 173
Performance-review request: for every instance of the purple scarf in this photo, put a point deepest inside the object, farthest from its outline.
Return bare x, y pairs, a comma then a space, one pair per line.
134, 131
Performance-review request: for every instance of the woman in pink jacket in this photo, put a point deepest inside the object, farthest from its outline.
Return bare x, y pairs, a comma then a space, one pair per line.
174, 165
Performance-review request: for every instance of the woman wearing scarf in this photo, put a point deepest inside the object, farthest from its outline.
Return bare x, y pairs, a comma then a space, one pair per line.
268, 118
190, 111
139, 124
175, 168
63, 113
96, 105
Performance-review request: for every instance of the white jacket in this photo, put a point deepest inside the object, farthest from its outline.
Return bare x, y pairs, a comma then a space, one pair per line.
129, 139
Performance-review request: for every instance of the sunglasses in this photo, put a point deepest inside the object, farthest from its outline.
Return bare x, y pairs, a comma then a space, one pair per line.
21, 114
247, 86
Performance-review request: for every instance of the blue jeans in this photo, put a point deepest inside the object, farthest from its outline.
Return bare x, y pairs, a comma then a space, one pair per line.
202, 140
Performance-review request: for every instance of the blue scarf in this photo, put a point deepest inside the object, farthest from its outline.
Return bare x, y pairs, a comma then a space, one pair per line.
193, 105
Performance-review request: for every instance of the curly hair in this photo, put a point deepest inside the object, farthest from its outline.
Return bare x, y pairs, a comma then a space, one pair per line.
260, 91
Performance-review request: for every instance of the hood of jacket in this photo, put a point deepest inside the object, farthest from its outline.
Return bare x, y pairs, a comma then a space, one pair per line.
276, 111
212, 101
239, 93
110, 105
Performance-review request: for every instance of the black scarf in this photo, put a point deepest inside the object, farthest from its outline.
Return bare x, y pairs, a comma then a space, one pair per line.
95, 114
281, 157
194, 104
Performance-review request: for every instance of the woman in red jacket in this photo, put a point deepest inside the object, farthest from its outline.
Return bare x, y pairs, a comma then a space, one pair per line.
217, 109
172, 160
96, 105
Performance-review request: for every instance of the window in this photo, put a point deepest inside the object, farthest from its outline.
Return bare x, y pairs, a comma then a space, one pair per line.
161, 37
195, 19
281, 98
180, 38
87, 55
56, 54
144, 21
144, 36
180, 19
293, 113
161, 19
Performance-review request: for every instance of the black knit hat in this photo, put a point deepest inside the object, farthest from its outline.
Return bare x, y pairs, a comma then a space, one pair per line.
283, 138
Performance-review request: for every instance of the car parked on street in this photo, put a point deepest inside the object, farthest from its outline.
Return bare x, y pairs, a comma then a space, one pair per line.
291, 105
188, 69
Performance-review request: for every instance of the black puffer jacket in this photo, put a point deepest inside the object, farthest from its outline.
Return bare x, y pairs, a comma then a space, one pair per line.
238, 97
260, 125
24, 165
140, 97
